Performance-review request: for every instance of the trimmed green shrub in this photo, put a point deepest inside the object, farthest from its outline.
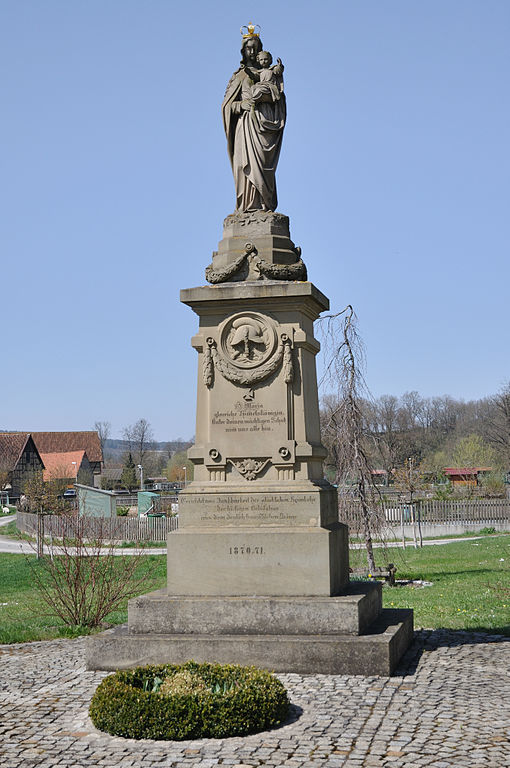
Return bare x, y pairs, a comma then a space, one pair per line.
226, 700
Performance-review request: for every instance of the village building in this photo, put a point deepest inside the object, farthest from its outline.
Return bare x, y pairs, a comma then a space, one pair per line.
70, 466
20, 462
66, 442
466, 476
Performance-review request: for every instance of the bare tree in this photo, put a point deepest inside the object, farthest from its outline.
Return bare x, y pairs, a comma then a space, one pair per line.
103, 429
386, 438
344, 427
498, 423
409, 480
140, 438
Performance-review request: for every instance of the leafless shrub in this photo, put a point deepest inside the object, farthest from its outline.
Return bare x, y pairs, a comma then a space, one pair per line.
82, 578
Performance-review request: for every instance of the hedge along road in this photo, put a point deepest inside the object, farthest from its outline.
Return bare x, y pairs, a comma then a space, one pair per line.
15, 546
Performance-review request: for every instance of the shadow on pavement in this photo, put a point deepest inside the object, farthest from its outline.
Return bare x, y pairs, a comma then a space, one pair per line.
426, 640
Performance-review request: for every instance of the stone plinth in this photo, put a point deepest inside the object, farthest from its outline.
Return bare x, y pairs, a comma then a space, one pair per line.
258, 561
210, 505
258, 519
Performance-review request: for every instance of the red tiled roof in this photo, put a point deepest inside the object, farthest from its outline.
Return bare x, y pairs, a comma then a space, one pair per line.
12, 445
465, 470
64, 442
60, 465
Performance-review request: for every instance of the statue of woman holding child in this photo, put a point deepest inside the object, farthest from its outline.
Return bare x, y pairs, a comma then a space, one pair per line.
254, 114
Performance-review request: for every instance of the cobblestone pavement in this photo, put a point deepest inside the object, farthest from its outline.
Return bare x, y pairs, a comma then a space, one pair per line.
448, 705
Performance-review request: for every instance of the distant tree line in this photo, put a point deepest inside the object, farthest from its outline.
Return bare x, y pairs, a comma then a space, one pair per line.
434, 432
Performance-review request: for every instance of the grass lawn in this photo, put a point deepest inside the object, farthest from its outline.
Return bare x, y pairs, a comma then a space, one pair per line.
11, 530
470, 584
470, 590
23, 615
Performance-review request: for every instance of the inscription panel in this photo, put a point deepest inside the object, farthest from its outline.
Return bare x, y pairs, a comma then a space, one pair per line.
218, 510
246, 422
249, 417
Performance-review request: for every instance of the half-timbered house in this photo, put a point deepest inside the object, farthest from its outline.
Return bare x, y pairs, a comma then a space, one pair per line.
20, 461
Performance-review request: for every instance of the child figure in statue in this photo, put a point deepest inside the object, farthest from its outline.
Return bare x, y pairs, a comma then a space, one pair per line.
270, 77
268, 83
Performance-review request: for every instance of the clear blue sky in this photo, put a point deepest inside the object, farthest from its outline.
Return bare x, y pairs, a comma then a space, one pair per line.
395, 172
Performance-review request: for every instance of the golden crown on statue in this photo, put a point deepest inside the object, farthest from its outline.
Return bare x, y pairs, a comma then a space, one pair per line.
249, 31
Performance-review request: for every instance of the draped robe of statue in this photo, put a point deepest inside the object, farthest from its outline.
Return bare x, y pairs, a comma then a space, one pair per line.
254, 139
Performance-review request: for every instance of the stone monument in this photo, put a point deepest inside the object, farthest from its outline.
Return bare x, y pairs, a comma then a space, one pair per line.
258, 571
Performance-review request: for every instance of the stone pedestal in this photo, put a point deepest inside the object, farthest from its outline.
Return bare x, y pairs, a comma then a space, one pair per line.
258, 517
258, 571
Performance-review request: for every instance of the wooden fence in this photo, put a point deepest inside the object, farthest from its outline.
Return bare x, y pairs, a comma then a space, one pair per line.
447, 512
115, 528
433, 515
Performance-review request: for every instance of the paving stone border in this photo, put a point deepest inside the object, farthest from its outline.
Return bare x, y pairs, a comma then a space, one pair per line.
447, 705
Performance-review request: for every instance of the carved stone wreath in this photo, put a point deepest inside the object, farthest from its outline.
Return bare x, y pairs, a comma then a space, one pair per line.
249, 468
247, 376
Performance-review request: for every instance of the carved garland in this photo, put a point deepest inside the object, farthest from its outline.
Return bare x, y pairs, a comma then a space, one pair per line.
295, 271
208, 372
244, 377
288, 366
222, 275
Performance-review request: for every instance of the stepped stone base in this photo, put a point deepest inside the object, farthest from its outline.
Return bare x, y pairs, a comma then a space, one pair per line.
347, 634
377, 652
351, 613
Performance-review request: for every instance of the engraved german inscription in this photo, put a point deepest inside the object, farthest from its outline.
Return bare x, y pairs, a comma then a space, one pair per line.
249, 417
248, 509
